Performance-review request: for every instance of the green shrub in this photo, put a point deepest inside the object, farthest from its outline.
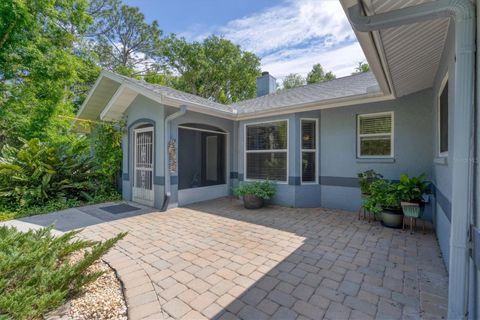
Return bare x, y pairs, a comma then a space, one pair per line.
262, 189
38, 172
382, 194
35, 273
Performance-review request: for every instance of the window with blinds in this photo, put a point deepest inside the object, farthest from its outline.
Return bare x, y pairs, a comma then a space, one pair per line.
309, 150
375, 135
443, 120
266, 151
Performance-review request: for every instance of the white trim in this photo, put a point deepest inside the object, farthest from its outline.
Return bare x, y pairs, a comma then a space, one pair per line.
309, 150
439, 94
199, 129
112, 101
245, 151
391, 134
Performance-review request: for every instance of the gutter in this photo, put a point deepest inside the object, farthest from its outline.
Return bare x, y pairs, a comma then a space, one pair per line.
167, 189
463, 14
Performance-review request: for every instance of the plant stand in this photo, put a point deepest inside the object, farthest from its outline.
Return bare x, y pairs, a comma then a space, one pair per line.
412, 211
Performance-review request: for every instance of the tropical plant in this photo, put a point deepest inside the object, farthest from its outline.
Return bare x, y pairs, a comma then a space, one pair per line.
366, 178
37, 274
412, 189
261, 189
106, 140
38, 172
383, 194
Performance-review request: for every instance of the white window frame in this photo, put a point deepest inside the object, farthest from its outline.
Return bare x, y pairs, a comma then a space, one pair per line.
392, 135
309, 150
265, 151
439, 136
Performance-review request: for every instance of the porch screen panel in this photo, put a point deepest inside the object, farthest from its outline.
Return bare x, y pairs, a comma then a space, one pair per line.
309, 150
267, 151
375, 136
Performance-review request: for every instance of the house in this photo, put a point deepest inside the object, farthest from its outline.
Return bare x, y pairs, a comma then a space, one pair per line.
414, 113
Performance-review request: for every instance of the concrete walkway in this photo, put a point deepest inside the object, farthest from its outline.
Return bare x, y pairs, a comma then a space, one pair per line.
75, 218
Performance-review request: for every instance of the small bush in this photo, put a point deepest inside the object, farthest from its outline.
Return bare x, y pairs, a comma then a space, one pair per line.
262, 189
35, 273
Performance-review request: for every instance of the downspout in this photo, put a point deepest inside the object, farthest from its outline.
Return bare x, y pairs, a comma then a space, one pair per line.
166, 136
463, 14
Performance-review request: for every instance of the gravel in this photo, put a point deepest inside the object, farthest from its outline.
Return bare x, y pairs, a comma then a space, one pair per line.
101, 300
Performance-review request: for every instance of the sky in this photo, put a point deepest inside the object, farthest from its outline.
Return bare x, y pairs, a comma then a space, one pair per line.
289, 36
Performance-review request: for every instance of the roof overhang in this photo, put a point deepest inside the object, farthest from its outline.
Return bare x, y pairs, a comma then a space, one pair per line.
404, 59
112, 94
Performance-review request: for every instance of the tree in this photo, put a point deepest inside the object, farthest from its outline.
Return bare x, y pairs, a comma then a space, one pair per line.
124, 42
214, 68
39, 66
362, 67
293, 80
318, 74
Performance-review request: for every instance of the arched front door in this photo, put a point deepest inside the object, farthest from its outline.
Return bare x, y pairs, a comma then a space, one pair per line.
143, 165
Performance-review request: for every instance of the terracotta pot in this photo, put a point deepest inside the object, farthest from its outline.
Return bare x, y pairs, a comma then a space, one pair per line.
392, 218
251, 201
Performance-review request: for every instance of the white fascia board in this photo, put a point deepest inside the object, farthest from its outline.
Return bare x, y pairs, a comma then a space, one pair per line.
111, 103
372, 47
89, 96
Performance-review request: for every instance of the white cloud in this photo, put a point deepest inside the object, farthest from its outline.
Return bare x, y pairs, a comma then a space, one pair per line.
293, 36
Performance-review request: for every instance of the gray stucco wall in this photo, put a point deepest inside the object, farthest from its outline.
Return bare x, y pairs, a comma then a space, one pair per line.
339, 163
442, 171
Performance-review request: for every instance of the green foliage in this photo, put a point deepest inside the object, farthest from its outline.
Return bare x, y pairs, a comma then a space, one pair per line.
366, 178
38, 172
9, 211
412, 189
293, 80
362, 67
215, 68
36, 275
318, 74
382, 194
262, 189
107, 146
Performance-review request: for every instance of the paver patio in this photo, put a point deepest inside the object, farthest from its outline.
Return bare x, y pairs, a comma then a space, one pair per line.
218, 260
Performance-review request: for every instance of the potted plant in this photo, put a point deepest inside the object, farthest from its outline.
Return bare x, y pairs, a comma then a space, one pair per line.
384, 199
255, 193
411, 191
365, 179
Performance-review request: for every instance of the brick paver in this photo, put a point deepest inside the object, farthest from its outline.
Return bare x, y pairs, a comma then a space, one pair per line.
218, 260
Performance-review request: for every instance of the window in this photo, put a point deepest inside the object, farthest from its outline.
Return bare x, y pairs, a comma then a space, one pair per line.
266, 151
309, 150
375, 135
443, 120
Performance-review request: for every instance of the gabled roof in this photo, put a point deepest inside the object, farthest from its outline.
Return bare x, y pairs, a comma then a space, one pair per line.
112, 94
346, 87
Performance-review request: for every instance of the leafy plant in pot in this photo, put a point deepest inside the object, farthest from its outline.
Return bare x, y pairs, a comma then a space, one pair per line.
411, 191
365, 179
254, 193
384, 199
